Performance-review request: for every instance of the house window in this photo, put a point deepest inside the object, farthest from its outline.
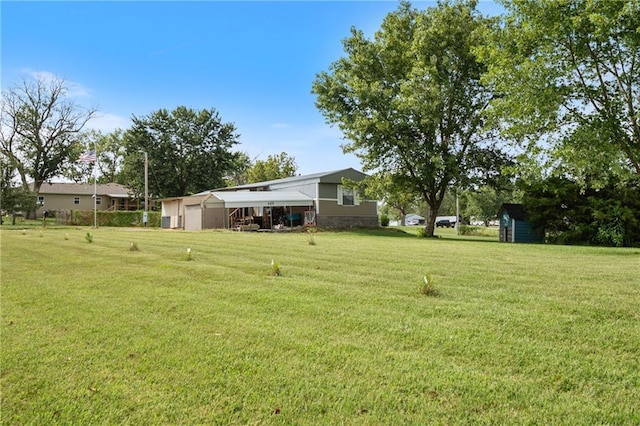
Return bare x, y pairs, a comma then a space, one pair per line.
98, 200
347, 196
41, 200
76, 200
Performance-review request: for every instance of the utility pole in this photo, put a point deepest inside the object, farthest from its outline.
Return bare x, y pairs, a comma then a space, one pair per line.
145, 215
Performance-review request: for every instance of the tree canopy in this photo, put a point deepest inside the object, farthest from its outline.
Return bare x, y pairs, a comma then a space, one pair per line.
568, 78
410, 101
189, 151
274, 167
39, 128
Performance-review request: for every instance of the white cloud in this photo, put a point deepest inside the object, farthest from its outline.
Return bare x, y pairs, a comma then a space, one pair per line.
76, 90
107, 123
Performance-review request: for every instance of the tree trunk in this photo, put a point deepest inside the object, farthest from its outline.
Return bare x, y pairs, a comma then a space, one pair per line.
429, 229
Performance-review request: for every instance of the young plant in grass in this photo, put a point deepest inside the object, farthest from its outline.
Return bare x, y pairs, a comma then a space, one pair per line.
189, 257
133, 247
311, 235
427, 288
89, 237
275, 269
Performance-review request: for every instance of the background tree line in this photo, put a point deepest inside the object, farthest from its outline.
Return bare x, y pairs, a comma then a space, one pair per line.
43, 133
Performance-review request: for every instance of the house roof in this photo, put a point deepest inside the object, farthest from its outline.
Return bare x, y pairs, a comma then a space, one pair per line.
114, 190
260, 193
515, 211
334, 176
413, 216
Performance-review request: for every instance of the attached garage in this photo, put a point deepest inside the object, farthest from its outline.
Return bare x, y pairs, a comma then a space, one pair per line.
249, 210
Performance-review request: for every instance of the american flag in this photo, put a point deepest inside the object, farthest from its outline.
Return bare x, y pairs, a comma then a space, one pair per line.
87, 157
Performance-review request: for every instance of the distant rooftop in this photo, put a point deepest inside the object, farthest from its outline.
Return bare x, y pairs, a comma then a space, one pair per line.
83, 189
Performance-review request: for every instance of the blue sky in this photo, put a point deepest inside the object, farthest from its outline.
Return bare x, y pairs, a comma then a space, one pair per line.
254, 62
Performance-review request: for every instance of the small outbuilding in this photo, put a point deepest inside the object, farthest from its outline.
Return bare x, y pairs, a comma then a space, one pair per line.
514, 227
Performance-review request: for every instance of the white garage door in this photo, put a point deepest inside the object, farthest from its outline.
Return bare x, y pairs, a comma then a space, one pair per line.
193, 218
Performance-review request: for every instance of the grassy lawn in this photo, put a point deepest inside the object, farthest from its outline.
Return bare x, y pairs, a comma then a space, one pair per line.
519, 334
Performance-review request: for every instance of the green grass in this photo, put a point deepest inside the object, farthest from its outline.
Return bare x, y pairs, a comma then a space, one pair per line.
518, 334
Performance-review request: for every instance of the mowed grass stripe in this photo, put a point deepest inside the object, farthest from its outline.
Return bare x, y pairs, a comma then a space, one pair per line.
94, 333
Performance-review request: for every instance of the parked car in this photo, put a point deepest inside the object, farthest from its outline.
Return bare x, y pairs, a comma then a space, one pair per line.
444, 223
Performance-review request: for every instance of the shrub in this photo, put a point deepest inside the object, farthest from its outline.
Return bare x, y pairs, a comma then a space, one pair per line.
384, 220
477, 231
109, 218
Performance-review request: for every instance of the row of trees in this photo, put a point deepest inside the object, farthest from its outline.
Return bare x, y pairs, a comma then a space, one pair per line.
446, 100
43, 133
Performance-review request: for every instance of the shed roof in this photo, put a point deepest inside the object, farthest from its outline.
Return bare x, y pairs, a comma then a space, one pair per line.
515, 211
238, 199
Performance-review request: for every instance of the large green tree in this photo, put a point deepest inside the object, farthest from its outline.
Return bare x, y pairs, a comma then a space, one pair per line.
188, 151
390, 189
110, 151
483, 203
13, 198
238, 173
39, 128
568, 75
410, 101
274, 167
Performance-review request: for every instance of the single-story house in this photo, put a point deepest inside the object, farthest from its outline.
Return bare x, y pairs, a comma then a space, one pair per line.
514, 227
319, 199
79, 196
413, 219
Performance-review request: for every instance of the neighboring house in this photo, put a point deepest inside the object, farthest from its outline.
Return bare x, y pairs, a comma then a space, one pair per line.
413, 219
79, 196
514, 227
318, 199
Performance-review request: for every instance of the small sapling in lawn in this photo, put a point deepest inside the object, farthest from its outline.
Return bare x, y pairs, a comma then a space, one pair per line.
89, 237
311, 235
189, 257
427, 288
133, 247
275, 268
